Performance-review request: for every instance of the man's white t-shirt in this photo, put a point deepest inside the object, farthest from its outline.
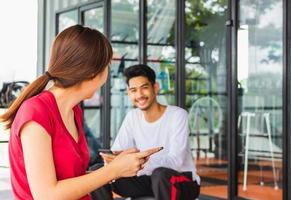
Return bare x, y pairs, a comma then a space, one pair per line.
169, 131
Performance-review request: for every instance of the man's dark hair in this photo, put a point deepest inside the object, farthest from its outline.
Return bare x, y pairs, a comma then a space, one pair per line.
140, 70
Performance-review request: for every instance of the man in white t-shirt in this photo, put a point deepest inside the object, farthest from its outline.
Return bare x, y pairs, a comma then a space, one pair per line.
168, 174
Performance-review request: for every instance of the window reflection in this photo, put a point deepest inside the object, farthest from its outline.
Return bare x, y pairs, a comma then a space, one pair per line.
125, 20
67, 19
94, 18
206, 95
260, 101
161, 53
92, 117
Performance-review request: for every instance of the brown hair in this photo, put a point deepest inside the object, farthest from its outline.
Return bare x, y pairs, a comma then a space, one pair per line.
78, 53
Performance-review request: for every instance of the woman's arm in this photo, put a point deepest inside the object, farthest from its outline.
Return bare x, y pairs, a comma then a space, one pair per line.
40, 169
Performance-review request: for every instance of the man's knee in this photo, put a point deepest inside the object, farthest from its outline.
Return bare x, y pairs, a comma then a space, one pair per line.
120, 187
162, 184
162, 171
133, 186
162, 174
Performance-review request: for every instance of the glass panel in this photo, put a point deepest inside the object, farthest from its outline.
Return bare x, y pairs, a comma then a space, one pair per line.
260, 99
94, 18
67, 19
64, 4
161, 51
206, 95
91, 116
92, 129
92, 119
124, 20
124, 40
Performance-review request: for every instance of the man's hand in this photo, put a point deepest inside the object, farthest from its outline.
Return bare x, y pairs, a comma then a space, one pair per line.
108, 158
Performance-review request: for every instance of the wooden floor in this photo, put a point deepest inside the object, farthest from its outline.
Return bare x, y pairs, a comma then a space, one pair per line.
214, 181
253, 192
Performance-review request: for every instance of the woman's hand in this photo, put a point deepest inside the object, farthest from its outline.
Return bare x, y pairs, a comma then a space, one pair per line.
107, 158
130, 161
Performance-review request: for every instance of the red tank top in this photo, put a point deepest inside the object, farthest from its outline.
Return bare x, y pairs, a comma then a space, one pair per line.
71, 158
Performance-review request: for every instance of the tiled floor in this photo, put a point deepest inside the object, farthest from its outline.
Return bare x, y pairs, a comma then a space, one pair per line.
253, 192
5, 186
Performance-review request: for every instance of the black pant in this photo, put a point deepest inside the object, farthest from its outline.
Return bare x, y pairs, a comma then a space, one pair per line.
163, 184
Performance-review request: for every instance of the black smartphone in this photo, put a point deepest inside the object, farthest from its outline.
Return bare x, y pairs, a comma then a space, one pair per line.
105, 151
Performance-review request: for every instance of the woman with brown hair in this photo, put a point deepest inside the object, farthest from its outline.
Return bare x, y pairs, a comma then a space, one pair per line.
47, 149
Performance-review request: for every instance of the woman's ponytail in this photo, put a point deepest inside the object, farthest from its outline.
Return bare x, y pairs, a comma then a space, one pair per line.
32, 89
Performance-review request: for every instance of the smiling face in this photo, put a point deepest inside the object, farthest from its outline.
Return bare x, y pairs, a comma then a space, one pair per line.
142, 93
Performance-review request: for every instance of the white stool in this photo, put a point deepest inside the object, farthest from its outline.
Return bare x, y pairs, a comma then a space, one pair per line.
266, 117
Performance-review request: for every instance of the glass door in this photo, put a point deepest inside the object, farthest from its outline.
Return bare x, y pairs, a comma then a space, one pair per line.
259, 77
206, 96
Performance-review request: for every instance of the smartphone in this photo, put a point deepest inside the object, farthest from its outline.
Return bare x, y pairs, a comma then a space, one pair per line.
106, 151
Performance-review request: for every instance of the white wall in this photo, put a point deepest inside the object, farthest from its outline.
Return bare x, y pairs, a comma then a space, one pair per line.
18, 39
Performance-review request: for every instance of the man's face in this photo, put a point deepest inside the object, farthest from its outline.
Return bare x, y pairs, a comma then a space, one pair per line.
141, 92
